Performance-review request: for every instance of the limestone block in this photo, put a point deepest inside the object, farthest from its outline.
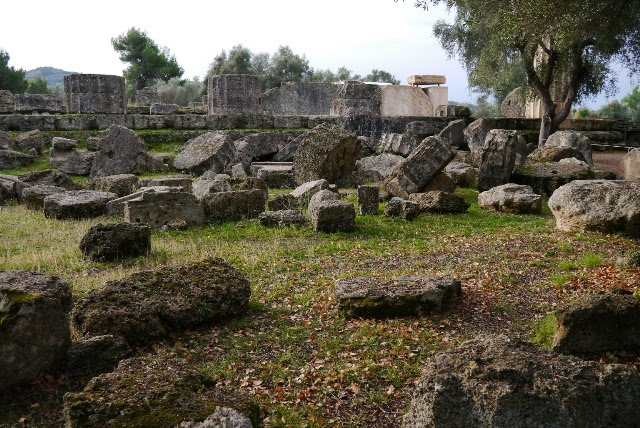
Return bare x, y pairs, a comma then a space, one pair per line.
234, 94
76, 204
368, 200
95, 93
38, 103
427, 79
164, 208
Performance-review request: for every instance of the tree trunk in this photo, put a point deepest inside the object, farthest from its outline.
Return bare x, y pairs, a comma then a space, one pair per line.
547, 123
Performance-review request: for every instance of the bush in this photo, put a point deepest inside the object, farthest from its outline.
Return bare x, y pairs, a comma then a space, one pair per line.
180, 92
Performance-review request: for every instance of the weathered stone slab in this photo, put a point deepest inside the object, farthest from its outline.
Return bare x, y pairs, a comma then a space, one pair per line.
462, 174
76, 162
440, 202
10, 159
38, 103
77, 204
498, 159
427, 79
33, 197
234, 94
7, 101
513, 104
109, 242
329, 214
598, 323
284, 201
6, 141
574, 139
547, 177
631, 165
281, 218
368, 200
120, 184
553, 154
95, 93
31, 140
453, 133
34, 325
60, 143
164, 208
403, 101
160, 108
234, 205
413, 174
511, 198
327, 151
397, 144
116, 206
46, 177
402, 208
601, 205
396, 297
441, 182
213, 151
147, 97
372, 169
183, 181
304, 192
121, 151
501, 382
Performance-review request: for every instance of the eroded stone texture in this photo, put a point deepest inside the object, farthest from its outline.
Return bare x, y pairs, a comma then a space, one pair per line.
163, 207
31, 140
498, 158
440, 202
6, 141
72, 161
150, 304
183, 181
326, 152
631, 165
121, 151
120, 184
7, 101
513, 104
234, 205
413, 174
33, 197
34, 325
234, 94
501, 382
602, 205
553, 154
547, 177
10, 159
281, 218
453, 133
462, 174
300, 98
376, 168
357, 98
511, 198
38, 103
368, 200
213, 151
44, 177
402, 208
284, 201
89, 357
77, 204
574, 139
396, 297
329, 214
109, 242
95, 93
160, 108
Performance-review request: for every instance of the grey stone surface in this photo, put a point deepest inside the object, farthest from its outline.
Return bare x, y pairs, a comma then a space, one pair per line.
89, 357
441, 182
213, 151
276, 177
462, 174
234, 94
281, 218
376, 168
38, 103
574, 139
357, 98
547, 177
95, 93
93, 144
120, 184
164, 207
397, 144
33, 197
327, 151
76, 162
511, 198
452, 111
602, 205
116, 241
76, 204
31, 140
150, 304
300, 98
287, 152
402, 208
498, 158
183, 181
160, 108
396, 297
501, 382
304, 192
598, 323
6, 141
424, 163
368, 200
454, 133
121, 151
234, 205
553, 154
284, 201
46, 177
513, 104
34, 327
223, 417
333, 216
440, 202
476, 133
7, 101
631, 165
60, 143
10, 159
147, 96
7, 188
116, 206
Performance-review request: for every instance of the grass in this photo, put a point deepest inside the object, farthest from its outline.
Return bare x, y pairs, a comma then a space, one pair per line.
543, 331
294, 352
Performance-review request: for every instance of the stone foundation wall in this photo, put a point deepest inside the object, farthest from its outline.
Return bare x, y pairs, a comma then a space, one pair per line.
95, 93
294, 98
234, 94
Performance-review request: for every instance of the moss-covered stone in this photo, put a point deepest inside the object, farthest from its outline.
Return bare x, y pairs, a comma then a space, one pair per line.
151, 304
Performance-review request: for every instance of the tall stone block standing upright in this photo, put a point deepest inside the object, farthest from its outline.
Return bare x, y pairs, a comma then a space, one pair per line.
234, 94
498, 158
95, 93
368, 200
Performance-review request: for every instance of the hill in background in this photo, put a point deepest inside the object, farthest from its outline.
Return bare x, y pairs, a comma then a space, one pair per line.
53, 76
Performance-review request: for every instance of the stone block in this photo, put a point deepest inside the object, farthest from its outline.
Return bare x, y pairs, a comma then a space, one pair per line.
120, 184
300, 98
234, 94
110, 242
498, 158
33, 197
183, 181
76, 162
405, 101
439, 202
147, 97
427, 79
159, 108
95, 93
38, 103
333, 216
281, 218
402, 208
396, 297
213, 151
368, 200
631, 165
77, 204
10, 159
164, 207
60, 143
121, 151
304, 192
511, 198
234, 205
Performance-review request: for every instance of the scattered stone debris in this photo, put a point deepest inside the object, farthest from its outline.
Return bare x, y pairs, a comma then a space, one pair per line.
511, 198
109, 242
402, 208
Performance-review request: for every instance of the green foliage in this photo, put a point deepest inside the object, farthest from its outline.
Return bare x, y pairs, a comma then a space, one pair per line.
632, 99
148, 63
10, 78
381, 76
53, 76
565, 48
38, 86
591, 260
180, 92
543, 331
484, 108
614, 110
584, 113
285, 66
237, 61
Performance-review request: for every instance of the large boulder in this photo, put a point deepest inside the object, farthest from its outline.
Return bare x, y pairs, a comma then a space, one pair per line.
602, 205
109, 242
10, 159
498, 158
376, 168
121, 151
573, 139
495, 381
476, 132
631, 165
213, 151
440, 202
453, 133
598, 323
326, 152
31, 140
151, 304
462, 174
420, 167
34, 325
511, 198
329, 214
553, 154
76, 204
396, 297
547, 177
33, 197
234, 205
72, 161
157, 391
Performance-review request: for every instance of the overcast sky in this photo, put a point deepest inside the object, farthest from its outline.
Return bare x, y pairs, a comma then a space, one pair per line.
75, 35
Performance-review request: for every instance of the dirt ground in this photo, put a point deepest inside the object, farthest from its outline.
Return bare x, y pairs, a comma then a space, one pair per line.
609, 161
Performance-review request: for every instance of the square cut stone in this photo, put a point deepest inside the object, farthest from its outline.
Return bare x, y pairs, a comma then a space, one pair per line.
427, 79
